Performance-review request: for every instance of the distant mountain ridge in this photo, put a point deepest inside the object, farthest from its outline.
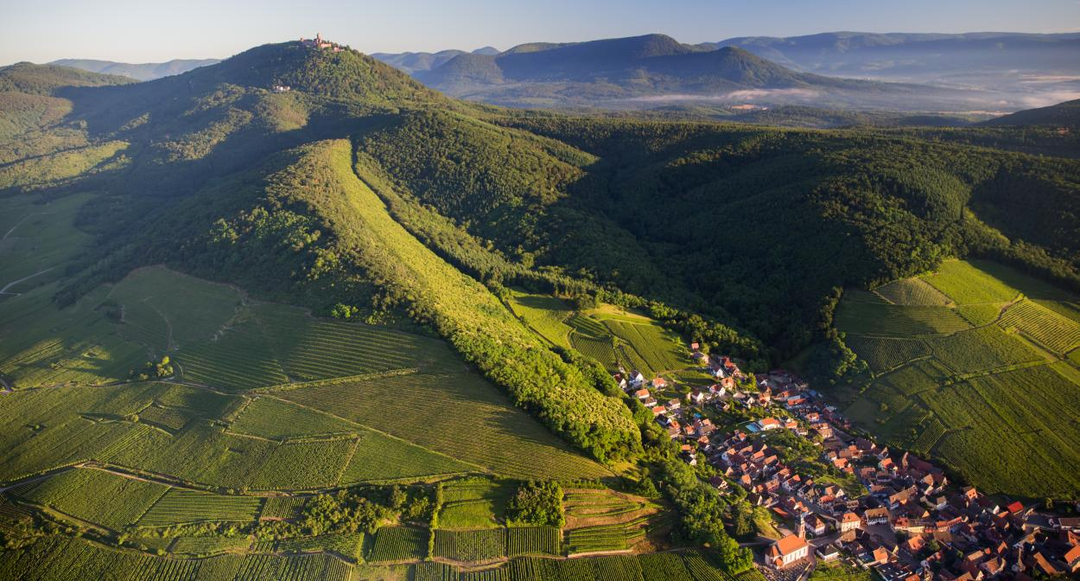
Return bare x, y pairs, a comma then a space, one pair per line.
140, 71
414, 62
878, 55
970, 72
623, 73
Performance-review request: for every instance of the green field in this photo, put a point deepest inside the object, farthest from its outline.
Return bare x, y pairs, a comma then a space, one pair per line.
545, 314
987, 401
885, 320
96, 496
913, 292
1051, 330
472, 503
398, 544
179, 506
475, 423
967, 282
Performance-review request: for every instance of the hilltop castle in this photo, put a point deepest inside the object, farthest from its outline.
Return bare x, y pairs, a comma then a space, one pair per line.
320, 43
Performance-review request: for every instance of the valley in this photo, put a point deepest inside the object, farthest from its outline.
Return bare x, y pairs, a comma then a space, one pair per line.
294, 315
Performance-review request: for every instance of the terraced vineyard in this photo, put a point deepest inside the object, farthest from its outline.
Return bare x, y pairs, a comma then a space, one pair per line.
985, 400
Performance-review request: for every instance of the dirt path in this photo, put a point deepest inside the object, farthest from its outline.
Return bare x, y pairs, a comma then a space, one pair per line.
11, 284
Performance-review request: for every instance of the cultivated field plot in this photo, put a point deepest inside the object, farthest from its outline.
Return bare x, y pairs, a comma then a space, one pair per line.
311, 349
657, 346
883, 354
180, 506
398, 544
590, 507
471, 546
41, 345
37, 240
545, 314
982, 349
885, 320
268, 417
472, 503
913, 292
470, 420
598, 348
967, 282
283, 507
1051, 330
345, 544
987, 401
96, 496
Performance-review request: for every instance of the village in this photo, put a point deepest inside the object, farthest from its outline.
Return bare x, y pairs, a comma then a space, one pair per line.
838, 497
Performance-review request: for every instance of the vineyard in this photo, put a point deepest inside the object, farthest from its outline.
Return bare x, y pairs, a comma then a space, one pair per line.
544, 314
470, 546
236, 359
398, 544
659, 348
885, 320
311, 349
186, 506
209, 545
474, 423
913, 292
984, 401
885, 354
1051, 330
272, 418
345, 544
474, 503
967, 282
96, 496
283, 507
981, 350
58, 558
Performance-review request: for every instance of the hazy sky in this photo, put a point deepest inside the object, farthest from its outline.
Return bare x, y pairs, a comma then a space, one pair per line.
153, 30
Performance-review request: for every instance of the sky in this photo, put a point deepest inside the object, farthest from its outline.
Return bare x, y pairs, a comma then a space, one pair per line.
155, 30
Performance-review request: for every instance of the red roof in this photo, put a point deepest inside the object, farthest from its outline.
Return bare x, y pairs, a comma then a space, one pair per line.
790, 544
1015, 507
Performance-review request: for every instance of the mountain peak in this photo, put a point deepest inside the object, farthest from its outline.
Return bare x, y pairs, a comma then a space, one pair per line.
332, 71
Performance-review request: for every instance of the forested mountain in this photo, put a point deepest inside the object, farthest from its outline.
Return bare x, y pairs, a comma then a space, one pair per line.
139, 71
417, 62
916, 55
1063, 114
642, 207
643, 71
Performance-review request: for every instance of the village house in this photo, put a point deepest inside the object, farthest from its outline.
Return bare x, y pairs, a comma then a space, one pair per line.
849, 522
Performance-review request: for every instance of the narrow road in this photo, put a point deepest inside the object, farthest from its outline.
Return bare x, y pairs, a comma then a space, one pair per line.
11, 284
